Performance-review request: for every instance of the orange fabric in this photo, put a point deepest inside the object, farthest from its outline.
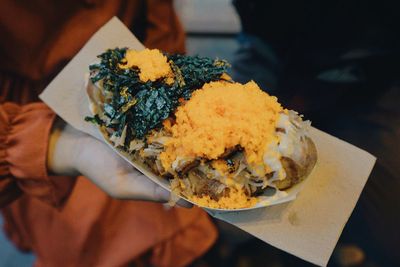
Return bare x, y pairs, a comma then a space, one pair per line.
68, 221
39, 36
159, 34
94, 230
24, 132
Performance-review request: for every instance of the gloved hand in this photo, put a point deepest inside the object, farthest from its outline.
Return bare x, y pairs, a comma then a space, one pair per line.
73, 153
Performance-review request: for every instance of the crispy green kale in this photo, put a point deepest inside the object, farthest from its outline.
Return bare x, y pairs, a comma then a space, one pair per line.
142, 106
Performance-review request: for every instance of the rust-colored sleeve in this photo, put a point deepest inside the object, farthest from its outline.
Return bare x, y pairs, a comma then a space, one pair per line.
164, 31
24, 134
187, 243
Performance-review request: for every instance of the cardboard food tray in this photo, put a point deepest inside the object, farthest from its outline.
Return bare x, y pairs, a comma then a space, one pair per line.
308, 227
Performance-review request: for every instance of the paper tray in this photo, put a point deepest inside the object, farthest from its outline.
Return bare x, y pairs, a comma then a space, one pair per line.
308, 227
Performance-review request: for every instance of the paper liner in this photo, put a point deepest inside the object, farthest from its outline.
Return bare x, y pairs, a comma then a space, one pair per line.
308, 227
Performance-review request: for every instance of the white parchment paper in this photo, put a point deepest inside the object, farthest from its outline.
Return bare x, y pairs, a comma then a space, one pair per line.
307, 227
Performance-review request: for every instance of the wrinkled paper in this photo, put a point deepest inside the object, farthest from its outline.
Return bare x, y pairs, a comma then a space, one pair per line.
308, 227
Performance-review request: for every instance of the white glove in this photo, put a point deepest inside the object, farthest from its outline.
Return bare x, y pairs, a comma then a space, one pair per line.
72, 153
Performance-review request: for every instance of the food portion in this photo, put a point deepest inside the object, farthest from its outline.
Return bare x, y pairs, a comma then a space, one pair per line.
220, 144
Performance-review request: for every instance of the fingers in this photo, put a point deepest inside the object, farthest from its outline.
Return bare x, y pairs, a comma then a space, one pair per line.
142, 188
116, 177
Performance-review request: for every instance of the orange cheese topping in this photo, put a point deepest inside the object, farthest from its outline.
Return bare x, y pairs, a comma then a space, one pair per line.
235, 200
221, 166
222, 115
152, 64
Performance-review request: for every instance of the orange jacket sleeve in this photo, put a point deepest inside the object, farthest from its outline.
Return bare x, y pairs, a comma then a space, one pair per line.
24, 134
164, 31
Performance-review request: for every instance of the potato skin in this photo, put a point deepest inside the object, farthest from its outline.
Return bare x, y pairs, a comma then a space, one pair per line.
298, 171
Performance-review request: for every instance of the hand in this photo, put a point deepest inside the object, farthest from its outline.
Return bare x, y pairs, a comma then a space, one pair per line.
72, 153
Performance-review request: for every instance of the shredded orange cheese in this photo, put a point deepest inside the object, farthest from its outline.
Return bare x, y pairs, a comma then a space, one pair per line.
222, 115
221, 166
236, 199
152, 64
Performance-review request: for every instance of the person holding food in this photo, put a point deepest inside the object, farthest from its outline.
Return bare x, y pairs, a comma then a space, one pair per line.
81, 221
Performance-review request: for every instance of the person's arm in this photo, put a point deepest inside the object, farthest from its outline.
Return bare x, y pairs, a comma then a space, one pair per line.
32, 146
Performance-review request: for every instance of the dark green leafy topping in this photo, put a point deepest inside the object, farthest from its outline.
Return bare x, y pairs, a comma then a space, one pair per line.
196, 71
95, 120
142, 106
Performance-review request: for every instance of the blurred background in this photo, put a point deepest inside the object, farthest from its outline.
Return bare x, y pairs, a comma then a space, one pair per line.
337, 62
211, 27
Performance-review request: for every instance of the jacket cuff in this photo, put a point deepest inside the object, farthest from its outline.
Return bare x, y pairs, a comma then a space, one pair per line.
23, 157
